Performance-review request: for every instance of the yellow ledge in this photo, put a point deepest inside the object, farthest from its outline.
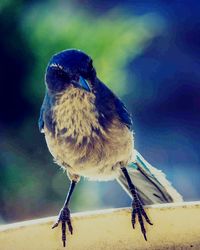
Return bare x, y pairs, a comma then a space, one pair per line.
176, 226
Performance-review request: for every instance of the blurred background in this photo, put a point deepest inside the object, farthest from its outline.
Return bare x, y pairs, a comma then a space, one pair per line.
147, 52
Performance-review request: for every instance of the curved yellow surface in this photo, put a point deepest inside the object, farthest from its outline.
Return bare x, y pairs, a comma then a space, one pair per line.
176, 226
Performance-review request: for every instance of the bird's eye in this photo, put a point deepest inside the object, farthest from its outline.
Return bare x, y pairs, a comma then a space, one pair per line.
90, 64
90, 67
58, 72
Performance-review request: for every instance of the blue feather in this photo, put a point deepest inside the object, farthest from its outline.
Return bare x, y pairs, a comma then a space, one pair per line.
46, 114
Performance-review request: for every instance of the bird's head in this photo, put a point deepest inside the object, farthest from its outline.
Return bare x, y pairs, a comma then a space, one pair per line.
70, 68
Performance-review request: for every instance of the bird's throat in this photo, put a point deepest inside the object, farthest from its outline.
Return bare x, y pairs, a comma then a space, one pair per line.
75, 114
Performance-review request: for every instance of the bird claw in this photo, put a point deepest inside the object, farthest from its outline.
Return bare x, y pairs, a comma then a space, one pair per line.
64, 218
55, 225
140, 212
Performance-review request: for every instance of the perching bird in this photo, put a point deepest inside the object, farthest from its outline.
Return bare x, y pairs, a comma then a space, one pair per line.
88, 131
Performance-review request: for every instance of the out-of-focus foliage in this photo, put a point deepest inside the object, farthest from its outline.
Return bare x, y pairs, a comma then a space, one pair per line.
112, 41
146, 51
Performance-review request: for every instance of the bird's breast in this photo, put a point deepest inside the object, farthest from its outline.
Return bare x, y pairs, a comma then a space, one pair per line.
81, 144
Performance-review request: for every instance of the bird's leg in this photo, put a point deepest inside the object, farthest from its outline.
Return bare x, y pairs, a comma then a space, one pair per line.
64, 215
136, 205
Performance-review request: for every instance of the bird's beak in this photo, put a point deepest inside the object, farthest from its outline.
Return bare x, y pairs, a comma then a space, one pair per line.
84, 84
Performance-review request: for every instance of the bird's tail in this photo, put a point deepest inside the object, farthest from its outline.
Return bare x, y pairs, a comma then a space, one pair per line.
151, 183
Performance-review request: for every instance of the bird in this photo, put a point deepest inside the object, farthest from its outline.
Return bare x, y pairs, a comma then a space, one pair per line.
89, 132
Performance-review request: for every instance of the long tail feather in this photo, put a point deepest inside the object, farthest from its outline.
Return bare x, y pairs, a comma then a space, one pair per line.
151, 183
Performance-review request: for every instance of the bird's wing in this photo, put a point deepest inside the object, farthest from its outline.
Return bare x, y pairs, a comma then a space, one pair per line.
41, 116
123, 113
109, 104
45, 117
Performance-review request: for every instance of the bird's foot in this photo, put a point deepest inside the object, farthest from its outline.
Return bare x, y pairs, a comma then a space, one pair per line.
64, 218
140, 212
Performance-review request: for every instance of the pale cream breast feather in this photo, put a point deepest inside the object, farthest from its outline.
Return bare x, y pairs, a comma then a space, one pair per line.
81, 144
